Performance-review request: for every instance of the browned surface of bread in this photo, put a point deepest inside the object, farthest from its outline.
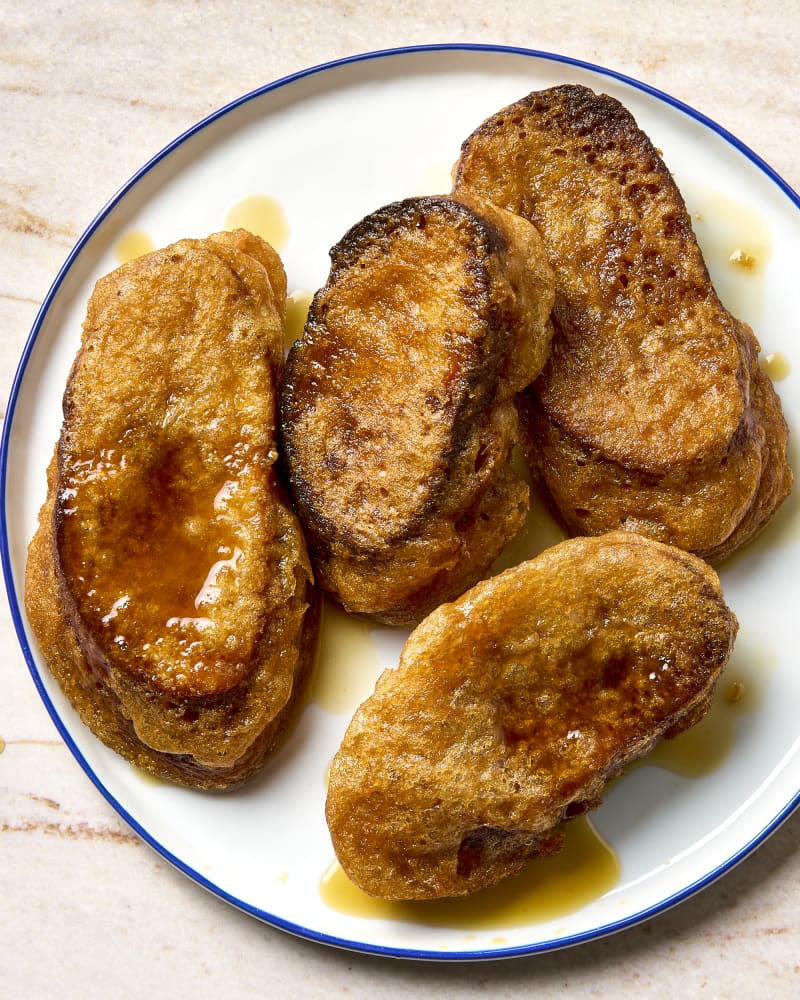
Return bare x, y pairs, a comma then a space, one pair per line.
652, 413
168, 583
397, 412
513, 706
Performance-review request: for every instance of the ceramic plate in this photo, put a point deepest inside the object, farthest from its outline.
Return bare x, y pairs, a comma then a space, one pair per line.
321, 149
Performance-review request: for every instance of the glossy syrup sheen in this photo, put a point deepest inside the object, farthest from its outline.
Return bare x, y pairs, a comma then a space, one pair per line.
548, 888
164, 540
149, 574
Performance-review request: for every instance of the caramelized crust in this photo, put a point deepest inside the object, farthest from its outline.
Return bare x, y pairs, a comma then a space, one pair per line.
650, 383
512, 707
397, 411
168, 583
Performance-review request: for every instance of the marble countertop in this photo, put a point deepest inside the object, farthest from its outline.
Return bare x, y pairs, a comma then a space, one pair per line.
89, 92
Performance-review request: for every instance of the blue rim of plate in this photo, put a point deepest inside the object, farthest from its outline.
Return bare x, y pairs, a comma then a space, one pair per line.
16, 613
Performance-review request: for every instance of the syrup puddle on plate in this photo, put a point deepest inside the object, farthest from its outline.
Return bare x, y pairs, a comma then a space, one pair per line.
297, 304
135, 243
736, 244
547, 888
347, 664
261, 215
776, 365
702, 749
147, 778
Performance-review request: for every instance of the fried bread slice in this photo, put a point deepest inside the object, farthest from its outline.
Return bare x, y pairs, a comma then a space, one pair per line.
397, 410
644, 415
513, 706
168, 582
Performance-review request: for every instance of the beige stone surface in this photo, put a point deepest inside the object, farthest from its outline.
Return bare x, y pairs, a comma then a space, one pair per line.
88, 92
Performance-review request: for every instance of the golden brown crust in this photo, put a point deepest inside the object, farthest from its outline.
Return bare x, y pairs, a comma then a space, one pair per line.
775, 481
168, 582
650, 382
710, 509
397, 411
512, 707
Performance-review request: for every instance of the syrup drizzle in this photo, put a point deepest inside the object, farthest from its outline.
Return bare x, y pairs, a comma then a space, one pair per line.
547, 888
737, 245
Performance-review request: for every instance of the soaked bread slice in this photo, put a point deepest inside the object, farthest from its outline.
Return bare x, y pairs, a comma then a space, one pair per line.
513, 706
651, 413
397, 411
168, 583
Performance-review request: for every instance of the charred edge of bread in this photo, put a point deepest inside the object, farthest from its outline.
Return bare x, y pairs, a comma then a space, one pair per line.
379, 226
479, 376
445, 470
401, 588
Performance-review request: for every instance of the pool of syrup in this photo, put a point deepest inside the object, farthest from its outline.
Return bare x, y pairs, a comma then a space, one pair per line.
547, 888
741, 689
132, 244
347, 662
737, 245
261, 215
297, 303
776, 365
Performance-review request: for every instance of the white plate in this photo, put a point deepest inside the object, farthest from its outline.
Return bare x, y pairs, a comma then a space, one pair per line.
330, 145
